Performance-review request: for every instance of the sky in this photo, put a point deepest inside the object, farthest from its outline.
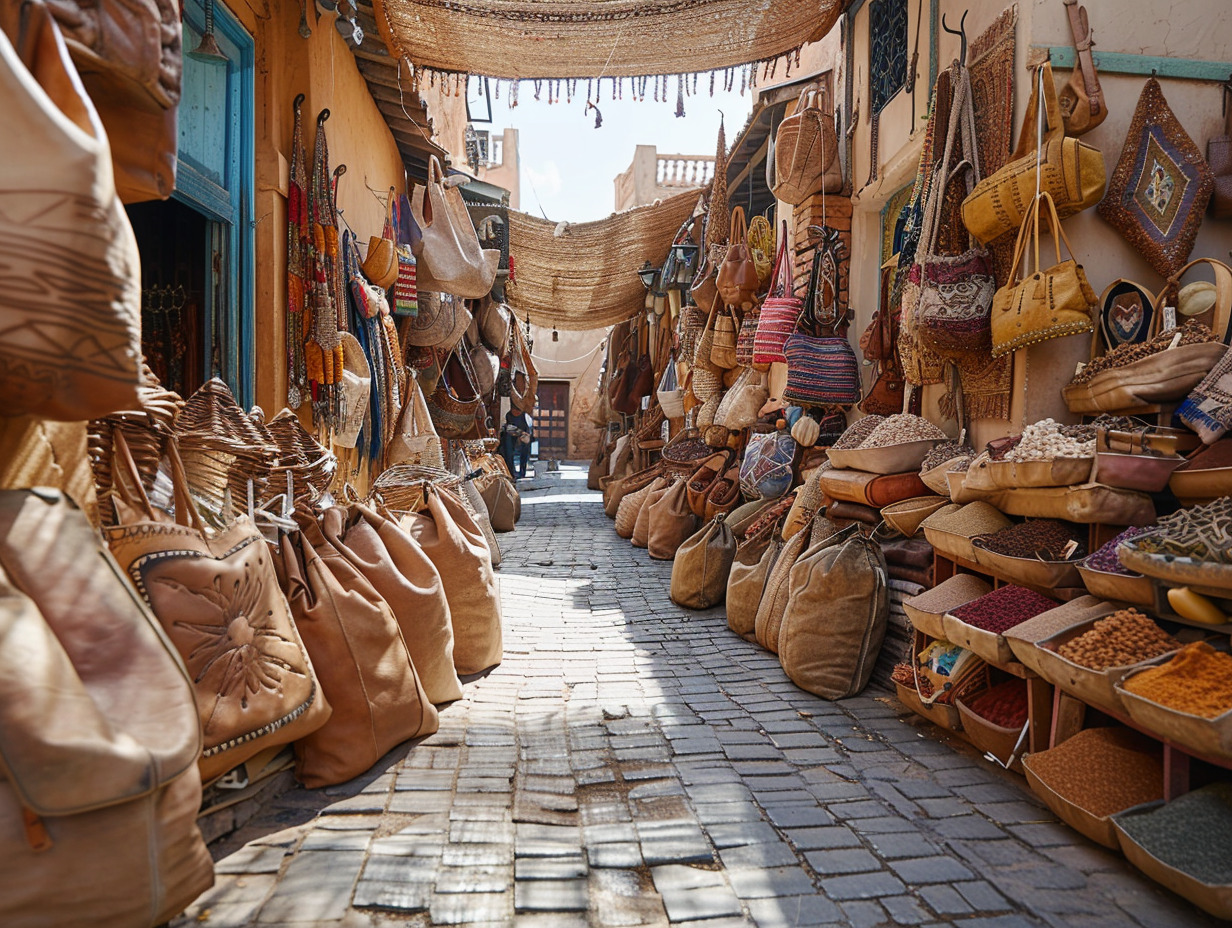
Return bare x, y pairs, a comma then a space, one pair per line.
568, 166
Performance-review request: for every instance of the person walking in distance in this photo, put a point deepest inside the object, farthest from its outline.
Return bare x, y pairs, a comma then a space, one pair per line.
515, 441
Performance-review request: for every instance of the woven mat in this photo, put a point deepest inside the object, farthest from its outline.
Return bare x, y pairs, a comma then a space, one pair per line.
586, 277
530, 39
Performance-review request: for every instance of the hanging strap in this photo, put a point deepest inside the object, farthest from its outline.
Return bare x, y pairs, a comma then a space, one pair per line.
1052, 111
781, 277
739, 229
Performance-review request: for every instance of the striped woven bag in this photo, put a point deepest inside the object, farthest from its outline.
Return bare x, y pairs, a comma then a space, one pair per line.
822, 369
779, 311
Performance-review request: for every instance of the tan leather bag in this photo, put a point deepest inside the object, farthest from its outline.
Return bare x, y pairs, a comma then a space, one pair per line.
671, 522
501, 500
806, 152
778, 588
70, 294
746, 581
415, 440
618, 489
98, 731
640, 536
702, 479
724, 495
404, 576
455, 544
631, 505
449, 258
836, 615
701, 567
364, 665
380, 264
1083, 106
218, 598
738, 285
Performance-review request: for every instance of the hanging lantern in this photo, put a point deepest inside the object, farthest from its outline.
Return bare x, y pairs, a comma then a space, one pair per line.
207, 49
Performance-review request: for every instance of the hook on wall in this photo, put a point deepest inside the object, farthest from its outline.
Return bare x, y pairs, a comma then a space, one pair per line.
322, 116
961, 31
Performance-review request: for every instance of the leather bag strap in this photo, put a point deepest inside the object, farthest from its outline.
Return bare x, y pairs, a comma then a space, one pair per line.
1052, 113
1081, 29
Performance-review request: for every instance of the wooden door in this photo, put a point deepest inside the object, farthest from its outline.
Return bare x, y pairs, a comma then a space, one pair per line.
552, 419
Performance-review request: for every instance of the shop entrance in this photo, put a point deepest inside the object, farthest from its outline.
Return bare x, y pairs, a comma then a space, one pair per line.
552, 419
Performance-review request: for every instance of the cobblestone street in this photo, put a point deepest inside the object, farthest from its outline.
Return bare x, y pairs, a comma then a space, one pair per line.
631, 763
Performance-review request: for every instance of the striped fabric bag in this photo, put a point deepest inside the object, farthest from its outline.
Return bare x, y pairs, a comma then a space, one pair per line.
779, 312
822, 369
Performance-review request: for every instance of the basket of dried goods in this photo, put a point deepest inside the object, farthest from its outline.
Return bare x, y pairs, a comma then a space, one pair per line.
926, 612
1187, 700
898, 444
1185, 845
935, 674
684, 453
943, 715
906, 515
950, 529
938, 462
1047, 454
1105, 576
1024, 637
979, 625
956, 482
1094, 775
1091, 502
1088, 660
1038, 553
1204, 476
1191, 547
995, 719
1133, 375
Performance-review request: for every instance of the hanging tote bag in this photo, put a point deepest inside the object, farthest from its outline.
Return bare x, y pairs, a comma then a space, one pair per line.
99, 734
806, 153
1071, 172
956, 291
1219, 157
381, 263
450, 259
737, 281
780, 311
455, 401
1050, 303
415, 440
70, 303
822, 369
218, 598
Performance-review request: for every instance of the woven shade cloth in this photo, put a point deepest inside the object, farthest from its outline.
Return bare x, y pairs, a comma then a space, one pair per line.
586, 277
529, 39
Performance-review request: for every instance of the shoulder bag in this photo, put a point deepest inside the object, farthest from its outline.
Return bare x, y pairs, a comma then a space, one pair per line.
450, 258
1219, 157
746, 580
806, 152
779, 311
415, 440
737, 281
670, 522
701, 567
639, 536
822, 369
1083, 106
380, 265
455, 401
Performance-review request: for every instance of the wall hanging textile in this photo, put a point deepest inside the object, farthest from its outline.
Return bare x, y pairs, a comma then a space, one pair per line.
1071, 171
70, 336
99, 734
1219, 157
1159, 189
1052, 302
625, 38
299, 251
806, 152
583, 276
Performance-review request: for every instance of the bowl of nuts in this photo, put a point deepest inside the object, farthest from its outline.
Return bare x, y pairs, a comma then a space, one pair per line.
898, 444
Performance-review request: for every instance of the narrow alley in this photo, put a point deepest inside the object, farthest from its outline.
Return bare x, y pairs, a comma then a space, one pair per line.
629, 763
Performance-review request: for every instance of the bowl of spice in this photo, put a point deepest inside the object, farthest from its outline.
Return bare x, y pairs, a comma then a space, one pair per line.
1094, 775
1024, 637
1185, 845
1187, 699
1048, 454
1105, 576
950, 529
994, 718
939, 460
1205, 476
926, 612
898, 444
1088, 660
979, 625
1038, 552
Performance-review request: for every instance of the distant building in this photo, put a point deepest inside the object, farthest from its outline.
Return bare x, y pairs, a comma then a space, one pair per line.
652, 176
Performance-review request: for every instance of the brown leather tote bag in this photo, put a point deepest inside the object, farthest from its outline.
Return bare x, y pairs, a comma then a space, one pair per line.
699, 572
365, 667
218, 598
746, 580
640, 537
671, 522
404, 576
456, 546
98, 732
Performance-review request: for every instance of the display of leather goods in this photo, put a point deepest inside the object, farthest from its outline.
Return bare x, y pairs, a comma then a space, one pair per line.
671, 522
639, 384
701, 480
806, 151
631, 505
766, 471
405, 577
876, 490
723, 349
1083, 106
1052, 302
500, 498
70, 339
450, 259
380, 264
364, 665
98, 730
701, 567
737, 279
822, 369
218, 599
1219, 157
742, 404
746, 580
1071, 171
455, 544
780, 311
836, 616
956, 291
885, 397
441, 321
1159, 189
455, 401
415, 441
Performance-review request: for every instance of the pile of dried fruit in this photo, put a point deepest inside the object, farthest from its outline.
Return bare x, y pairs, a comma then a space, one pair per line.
1192, 333
1123, 638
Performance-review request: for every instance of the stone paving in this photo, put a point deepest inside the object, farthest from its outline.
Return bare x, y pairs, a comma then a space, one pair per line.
631, 763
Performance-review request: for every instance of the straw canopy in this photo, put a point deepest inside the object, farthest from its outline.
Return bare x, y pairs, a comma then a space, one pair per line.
584, 276
558, 39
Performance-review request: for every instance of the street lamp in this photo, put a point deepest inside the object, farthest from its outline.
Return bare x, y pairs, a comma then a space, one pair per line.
648, 272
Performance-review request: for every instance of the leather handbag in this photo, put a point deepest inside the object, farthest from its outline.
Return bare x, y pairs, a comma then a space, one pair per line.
98, 731
670, 522
415, 440
701, 567
639, 537
524, 384
1219, 157
621, 485
485, 365
822, 369
456, 546
806, 152
218, 598
70, 291
380, 265
766, 471
500, 499
404, 576
726, 333
1050, 303
450, 259
455, 401
441, 321
741, 405
631, 506
1083, 106
702, 479
956, 291
737, 281
1071, 172
362, 659
494, 321
724, 494
780, 311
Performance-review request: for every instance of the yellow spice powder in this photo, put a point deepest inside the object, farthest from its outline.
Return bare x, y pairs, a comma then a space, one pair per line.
1198, 680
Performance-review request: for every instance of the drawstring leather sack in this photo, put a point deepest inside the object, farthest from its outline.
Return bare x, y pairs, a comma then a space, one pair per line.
806, 152
699, 573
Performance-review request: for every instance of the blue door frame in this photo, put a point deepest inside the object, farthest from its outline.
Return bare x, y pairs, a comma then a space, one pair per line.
215, 176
